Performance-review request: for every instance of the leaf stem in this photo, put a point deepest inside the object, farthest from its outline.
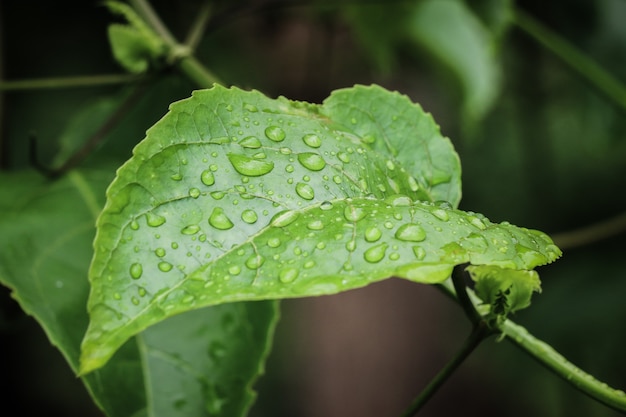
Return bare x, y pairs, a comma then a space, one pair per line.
593, 73
68, 82
462, 296
180, 54
198, 27
556, 363
479, 333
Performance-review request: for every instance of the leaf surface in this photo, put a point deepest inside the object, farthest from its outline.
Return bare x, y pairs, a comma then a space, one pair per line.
234, 196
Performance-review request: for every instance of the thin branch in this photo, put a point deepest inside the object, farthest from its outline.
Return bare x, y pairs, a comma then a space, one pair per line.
590, 234
479, 333
556, 363
587, 68
68, 82
194, 36
458, 280
146, 11
84, 151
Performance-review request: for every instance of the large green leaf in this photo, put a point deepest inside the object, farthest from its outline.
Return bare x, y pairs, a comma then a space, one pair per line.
235, 196
46, 234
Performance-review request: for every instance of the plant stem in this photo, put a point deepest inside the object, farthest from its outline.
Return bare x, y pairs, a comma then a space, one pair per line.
479, 333
593, 73
198, 27
585, 235
556, 363
187, 63
462, 296
68, 82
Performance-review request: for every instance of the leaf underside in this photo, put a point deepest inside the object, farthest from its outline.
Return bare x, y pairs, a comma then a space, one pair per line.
234, 196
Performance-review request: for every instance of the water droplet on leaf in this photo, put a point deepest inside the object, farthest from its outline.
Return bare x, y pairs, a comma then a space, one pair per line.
411, 232
136, 270
219, 219
249, 216
165, 266
250, 166
312, 140
207, 177
305, 191
311, 161
191, 229
250, 142
375, 253
154, 220
372, 234
275, 133
288, 275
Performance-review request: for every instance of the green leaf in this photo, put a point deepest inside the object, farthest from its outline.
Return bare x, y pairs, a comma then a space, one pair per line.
234, 196
46, 231
453, 34
203, 362
505, 290
46, 234
135, 46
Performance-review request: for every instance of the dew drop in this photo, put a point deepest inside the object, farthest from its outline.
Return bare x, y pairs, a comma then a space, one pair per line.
134, 300
354, 214
249, 216
136, 270
311, 161
288, 275
441, 214
337, 179
176, 177
194, 192
321, 245
309, 264
219, 220
375, 253
390, 165
351, 245
255, 261
477, 222
369, 138
305, 191
218, 195
250, 107
275, 133
154, 220
372, 234
250, 142
410, 232
249, 166
419, 252
326, 205
312, 140
160, 252
284, 218
165, 266
273, 242
343, 157
207, 177
192, 229
134, 225
413, 184
315, 225
234, 270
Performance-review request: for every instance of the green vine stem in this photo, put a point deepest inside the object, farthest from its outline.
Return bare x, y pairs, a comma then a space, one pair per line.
479, 333
68, 82
555, 362
177, 53
593, 73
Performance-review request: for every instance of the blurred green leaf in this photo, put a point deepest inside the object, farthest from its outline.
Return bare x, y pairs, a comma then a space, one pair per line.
452, 33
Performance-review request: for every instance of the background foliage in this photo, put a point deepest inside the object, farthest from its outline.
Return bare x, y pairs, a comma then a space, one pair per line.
539, 147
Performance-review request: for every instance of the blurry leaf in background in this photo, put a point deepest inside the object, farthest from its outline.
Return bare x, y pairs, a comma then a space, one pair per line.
45, 250
453, 34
